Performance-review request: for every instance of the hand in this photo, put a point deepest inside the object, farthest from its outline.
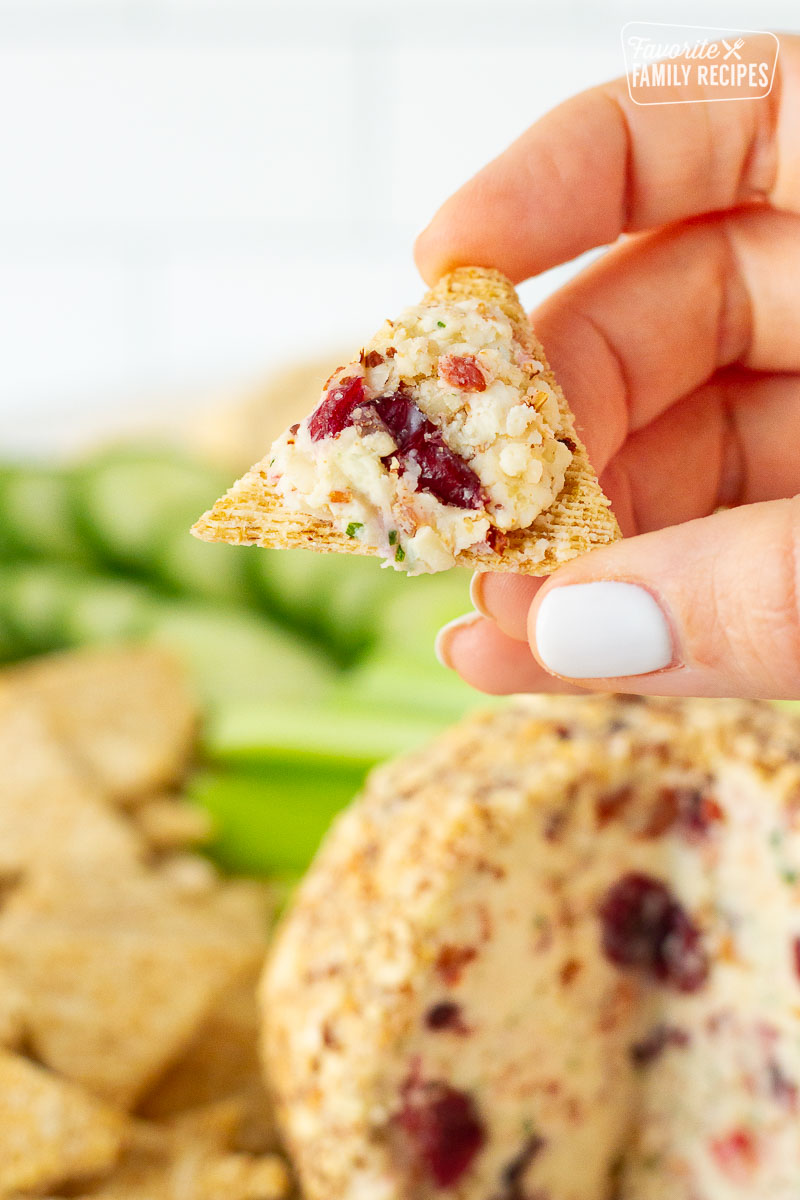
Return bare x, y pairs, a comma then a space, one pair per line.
679, 353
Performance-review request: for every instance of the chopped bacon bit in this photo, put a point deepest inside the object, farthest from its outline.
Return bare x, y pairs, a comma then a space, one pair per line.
569, 442
736, 1154
391, 351
373, 359
497, 540
612, 804
662, 814
452, 960
569, 971
688, 810
294, 428
462, 371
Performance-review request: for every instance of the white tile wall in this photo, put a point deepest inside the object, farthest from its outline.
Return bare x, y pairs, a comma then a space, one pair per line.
192, 189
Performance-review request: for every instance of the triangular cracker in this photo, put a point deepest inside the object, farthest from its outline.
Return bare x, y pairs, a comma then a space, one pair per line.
254, 513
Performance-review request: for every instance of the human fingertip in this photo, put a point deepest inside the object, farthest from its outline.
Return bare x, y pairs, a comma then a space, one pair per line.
448, 634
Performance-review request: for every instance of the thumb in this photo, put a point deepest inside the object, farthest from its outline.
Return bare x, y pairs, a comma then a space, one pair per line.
708, 608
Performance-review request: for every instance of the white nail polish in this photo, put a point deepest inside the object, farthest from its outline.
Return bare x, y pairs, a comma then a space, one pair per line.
602, 631
438, 645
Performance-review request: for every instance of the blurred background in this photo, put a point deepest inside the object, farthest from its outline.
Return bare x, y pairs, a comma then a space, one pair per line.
204, 205
192, 191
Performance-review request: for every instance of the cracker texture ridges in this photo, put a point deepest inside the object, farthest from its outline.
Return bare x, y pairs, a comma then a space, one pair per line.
252, 512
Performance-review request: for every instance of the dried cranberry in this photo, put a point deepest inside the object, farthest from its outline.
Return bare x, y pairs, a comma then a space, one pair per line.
657, 1041
443, 1127
403, 418
446, 1015
419, 443
366, 419
445, 475
462, 371
334, 413
644, 927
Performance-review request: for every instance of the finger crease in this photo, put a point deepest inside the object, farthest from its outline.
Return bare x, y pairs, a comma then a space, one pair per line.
732, 487
735, 312
626, 198
624, 382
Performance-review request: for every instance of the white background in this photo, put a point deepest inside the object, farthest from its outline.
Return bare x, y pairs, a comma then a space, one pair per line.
193, 191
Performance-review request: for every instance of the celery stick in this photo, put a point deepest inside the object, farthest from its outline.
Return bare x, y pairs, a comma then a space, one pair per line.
326, 734
412, 617
388, 680
234, 656
130, 498
38, 517
271, 824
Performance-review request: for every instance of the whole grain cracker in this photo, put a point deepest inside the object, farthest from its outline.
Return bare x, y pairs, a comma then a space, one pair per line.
49, 811
125, 713
580, 519
190, 1159
51, 1131
222, 1061
119, 970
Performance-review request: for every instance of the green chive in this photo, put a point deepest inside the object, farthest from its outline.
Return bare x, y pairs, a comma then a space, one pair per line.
399, 554
441, 324
353, 528
392, 537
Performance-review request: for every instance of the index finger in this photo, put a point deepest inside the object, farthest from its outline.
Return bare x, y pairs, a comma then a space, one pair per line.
599, 165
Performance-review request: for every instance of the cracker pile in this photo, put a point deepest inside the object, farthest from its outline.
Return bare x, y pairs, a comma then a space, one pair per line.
128, 967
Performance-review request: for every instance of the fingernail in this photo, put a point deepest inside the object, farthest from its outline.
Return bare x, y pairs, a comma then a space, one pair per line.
602, 630
444, 637
476, 593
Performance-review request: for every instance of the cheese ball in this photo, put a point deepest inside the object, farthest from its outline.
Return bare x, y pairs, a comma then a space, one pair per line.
553, 956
